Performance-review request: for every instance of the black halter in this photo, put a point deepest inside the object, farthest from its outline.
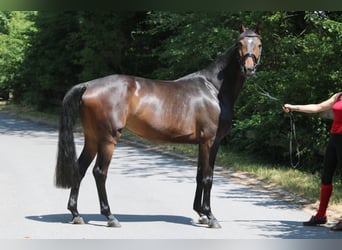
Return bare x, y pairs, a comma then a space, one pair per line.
243, 58
255, 59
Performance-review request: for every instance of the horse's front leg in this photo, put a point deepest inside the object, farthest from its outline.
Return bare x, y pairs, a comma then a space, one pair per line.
199, 194
204, 184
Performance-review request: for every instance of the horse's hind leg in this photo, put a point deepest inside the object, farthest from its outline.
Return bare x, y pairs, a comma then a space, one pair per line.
86, 157
100, 170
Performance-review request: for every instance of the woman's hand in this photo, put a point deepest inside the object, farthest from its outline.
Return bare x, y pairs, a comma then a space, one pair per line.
288, 108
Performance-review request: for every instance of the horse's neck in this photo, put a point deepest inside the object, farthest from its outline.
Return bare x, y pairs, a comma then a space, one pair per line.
231, 88
225, 75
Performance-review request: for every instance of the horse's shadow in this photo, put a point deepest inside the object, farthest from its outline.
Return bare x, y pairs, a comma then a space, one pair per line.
97, 219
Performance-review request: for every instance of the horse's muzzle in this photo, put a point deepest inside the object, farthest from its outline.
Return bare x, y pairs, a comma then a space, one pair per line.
248, 71
249, 64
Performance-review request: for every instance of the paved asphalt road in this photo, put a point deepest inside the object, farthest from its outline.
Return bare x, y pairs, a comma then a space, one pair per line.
150, 193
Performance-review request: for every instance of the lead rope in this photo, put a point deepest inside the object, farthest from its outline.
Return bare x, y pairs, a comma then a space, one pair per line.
293, 136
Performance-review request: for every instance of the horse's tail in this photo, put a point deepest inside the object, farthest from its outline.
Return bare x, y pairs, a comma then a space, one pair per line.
67, 170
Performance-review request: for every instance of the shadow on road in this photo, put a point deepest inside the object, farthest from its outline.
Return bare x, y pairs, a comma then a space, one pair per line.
285, 229
66, 218
11, 124
258, 197
291, 230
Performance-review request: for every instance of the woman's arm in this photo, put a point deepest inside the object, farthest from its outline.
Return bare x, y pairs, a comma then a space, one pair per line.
312, 108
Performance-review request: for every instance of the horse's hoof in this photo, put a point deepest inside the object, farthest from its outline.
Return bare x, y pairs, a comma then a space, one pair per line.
113, 223
213, 223
77, 220
203, 220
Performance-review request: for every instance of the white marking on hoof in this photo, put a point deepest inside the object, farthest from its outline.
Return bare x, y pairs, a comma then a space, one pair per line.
203, 220
213, 223
113, 223
77, 220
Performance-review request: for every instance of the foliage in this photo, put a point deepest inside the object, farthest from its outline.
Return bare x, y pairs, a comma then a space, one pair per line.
301, 68
15, 30
42, 54
186, 42
47, 69
102, 41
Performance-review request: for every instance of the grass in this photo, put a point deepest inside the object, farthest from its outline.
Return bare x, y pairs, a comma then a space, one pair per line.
27, 111
290, 179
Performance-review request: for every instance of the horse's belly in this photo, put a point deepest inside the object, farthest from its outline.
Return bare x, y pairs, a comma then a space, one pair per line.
161, 131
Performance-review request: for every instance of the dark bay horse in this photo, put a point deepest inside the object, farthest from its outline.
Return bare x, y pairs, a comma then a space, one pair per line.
195, 109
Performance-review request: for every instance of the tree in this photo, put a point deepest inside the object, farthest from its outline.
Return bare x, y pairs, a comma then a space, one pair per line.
102, 40
70, 47
48, 67
186, 42
15, 30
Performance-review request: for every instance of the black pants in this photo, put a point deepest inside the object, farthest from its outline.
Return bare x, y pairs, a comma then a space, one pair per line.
332, 159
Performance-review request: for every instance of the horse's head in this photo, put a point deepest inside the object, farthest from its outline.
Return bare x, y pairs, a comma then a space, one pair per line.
249, 47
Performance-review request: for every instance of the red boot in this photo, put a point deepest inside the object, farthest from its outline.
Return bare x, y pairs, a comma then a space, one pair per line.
321, 215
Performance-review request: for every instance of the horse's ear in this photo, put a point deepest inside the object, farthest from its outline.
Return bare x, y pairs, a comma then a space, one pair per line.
242, 28
258, 29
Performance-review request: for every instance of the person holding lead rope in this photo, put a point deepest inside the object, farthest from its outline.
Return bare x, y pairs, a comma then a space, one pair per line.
333, 154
